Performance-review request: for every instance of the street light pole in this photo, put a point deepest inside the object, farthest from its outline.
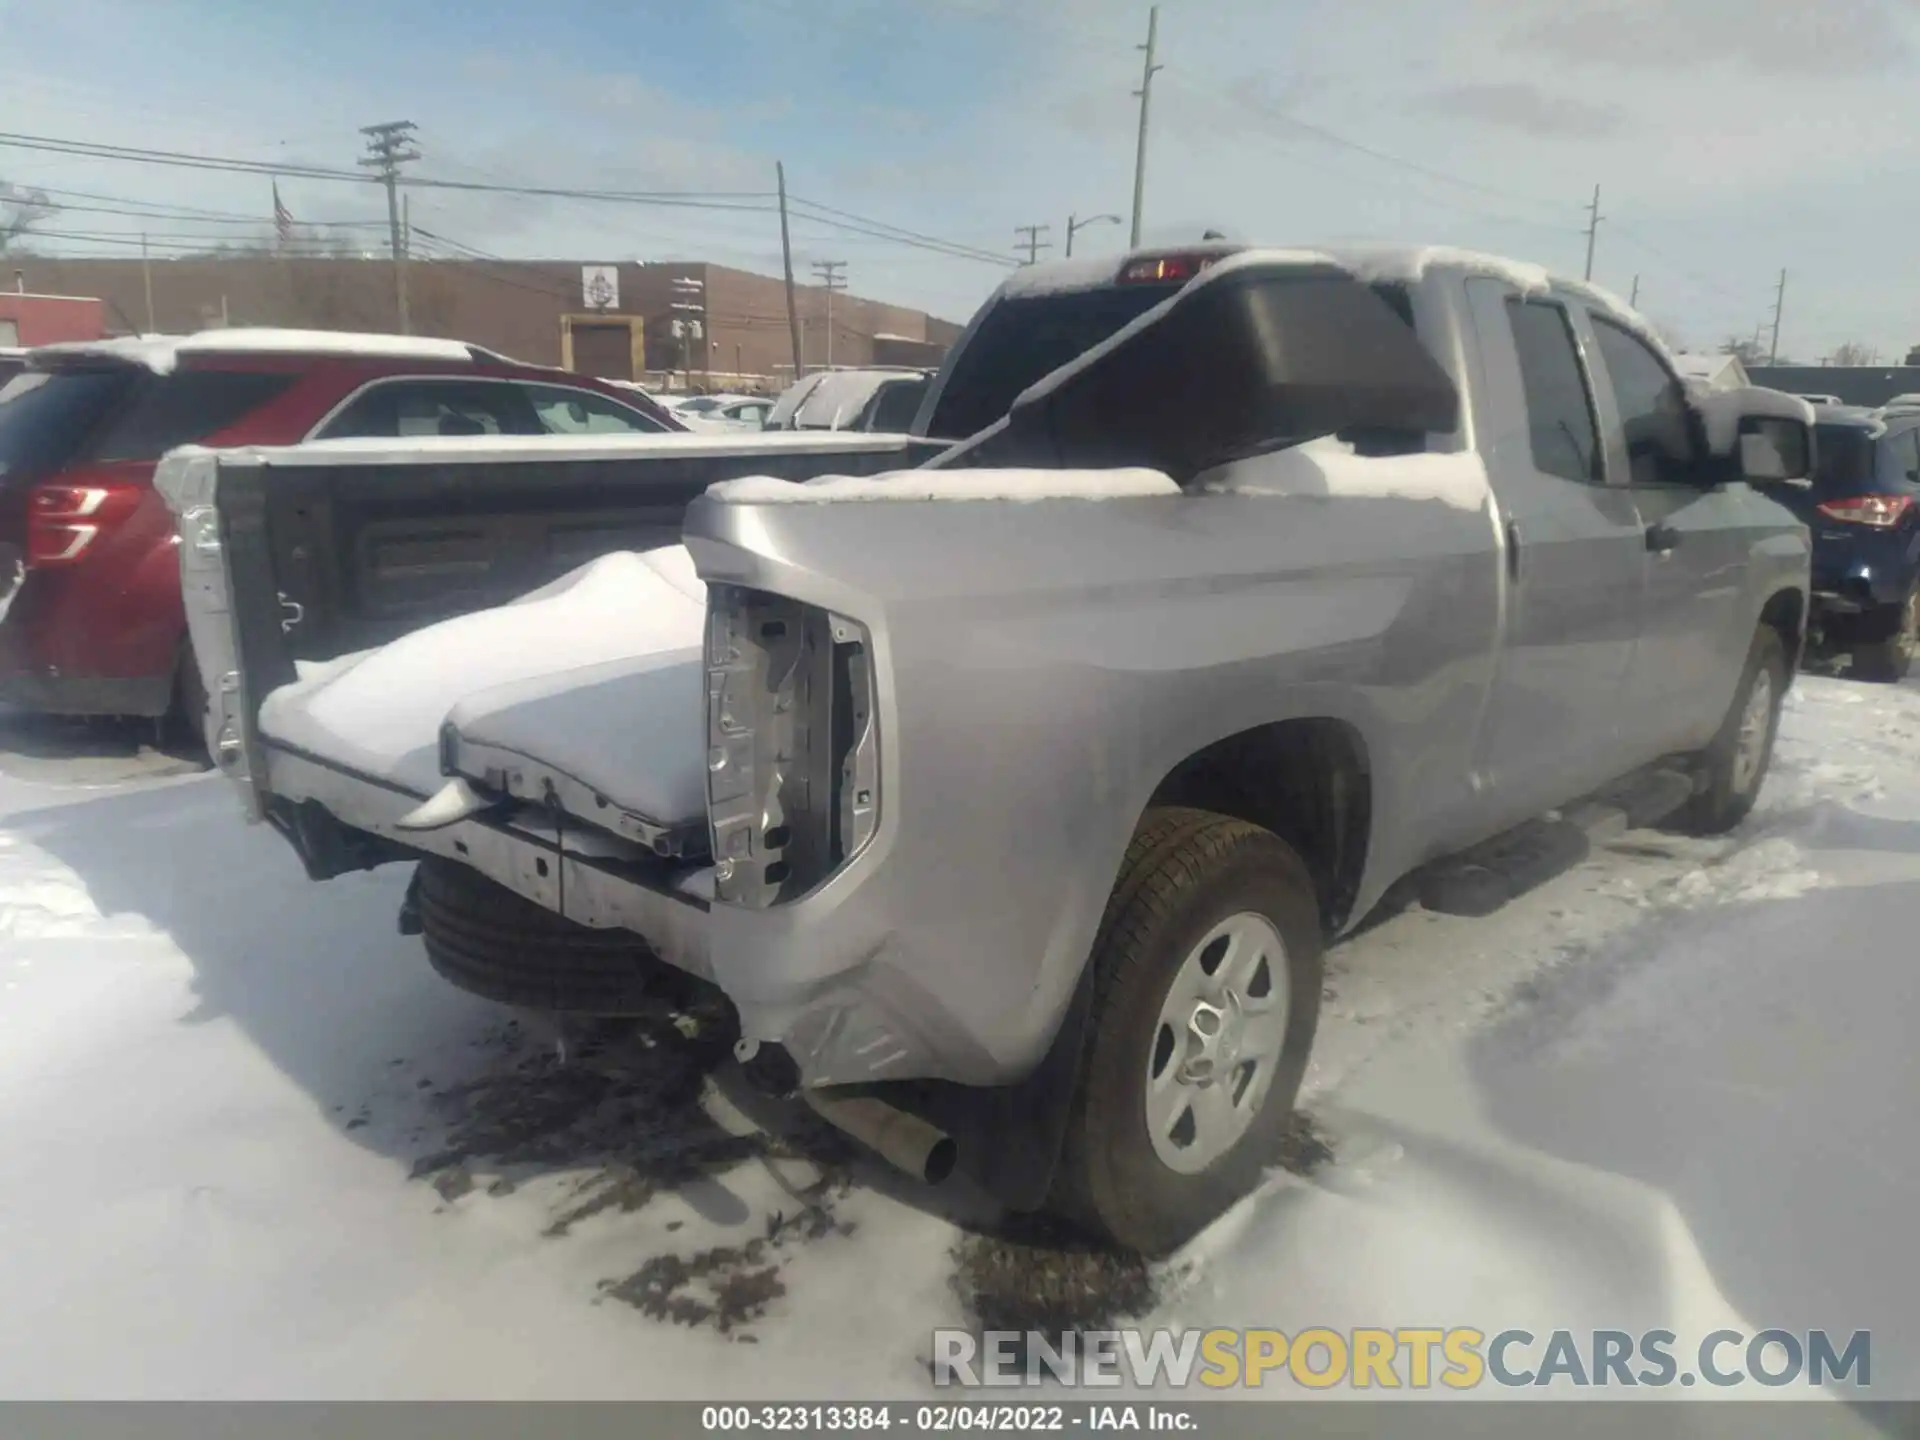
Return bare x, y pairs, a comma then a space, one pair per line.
1075, 225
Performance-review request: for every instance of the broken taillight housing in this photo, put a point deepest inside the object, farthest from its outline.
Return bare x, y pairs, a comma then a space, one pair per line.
65, 519
1882, 512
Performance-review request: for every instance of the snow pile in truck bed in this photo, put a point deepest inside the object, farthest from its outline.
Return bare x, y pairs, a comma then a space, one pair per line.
631, 730
947, 485
379, 712
1331, 467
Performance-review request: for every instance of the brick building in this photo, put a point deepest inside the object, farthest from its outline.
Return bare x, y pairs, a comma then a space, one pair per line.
533, 310
27, 320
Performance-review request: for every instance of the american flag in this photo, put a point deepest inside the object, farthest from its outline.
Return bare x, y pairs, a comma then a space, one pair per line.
282, 217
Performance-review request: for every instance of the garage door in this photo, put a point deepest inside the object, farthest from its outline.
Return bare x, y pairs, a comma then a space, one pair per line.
603, 350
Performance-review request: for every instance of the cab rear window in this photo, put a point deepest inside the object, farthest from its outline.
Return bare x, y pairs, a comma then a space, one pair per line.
1026, 338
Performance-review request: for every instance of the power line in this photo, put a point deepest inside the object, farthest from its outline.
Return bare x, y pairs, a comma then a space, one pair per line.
90, 150
1334, 138
745, 202
293, 170
880, 229
1033, 244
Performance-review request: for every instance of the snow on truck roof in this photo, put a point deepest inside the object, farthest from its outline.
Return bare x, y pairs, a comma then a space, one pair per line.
1376, 263
161, 353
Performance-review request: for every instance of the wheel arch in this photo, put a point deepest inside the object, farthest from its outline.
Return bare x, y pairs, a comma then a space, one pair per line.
1310, 780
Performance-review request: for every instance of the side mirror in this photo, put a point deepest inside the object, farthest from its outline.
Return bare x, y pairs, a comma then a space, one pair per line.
1776, 451
1244, 360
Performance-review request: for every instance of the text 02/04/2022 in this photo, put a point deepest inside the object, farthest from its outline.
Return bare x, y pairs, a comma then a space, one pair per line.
942, 1418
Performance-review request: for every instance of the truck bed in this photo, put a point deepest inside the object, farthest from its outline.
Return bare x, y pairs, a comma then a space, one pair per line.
323, 550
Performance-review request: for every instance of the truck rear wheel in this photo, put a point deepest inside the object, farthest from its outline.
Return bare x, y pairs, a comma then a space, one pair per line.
502, 947
1207, 975
1735, 764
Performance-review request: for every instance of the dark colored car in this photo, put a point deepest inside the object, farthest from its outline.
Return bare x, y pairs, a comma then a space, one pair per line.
90, 612
12, 362
1863, 510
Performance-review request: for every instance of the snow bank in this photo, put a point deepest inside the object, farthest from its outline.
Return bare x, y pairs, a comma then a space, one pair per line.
380, 712
955, 485
1330, 467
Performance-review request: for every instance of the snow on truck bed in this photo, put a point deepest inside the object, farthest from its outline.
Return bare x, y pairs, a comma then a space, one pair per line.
379, 712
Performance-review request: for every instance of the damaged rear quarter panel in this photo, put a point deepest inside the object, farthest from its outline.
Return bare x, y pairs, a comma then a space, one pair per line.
1040, 668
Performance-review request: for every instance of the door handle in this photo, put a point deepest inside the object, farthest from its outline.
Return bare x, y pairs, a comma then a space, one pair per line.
1662, 538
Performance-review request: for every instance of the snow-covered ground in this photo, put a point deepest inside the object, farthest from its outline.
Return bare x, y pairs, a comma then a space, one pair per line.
255, 1148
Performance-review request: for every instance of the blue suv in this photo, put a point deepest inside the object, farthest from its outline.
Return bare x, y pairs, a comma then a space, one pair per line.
1863, 509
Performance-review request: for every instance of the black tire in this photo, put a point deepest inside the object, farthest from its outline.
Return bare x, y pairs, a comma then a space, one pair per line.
503, 947
1729, 789
1890, 658
1184, 872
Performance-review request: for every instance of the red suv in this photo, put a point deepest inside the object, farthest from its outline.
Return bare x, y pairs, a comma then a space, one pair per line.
90, 614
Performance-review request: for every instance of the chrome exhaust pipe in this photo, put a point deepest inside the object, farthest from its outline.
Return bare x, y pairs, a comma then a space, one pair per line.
904, 1141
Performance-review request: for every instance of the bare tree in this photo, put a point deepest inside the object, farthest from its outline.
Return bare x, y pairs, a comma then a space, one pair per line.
1747, 352
1852, 353
20, 211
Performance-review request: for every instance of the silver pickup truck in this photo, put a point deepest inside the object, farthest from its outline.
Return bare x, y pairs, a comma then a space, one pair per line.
1009, 788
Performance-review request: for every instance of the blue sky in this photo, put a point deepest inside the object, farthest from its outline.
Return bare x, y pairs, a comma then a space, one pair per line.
1730, 138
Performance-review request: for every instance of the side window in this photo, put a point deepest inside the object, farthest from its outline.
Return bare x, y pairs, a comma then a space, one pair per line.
1653, 407
755, 414
402, 408
1560, 422
895, 406
185, 407
566, 411
1899, 459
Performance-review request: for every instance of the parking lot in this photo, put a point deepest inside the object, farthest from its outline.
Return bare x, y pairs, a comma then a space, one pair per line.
261, 1150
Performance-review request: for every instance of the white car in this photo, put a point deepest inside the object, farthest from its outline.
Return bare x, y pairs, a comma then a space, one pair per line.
882, 401
724, 412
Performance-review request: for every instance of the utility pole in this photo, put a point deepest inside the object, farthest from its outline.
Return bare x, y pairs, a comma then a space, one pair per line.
146, 276
1033, 244
1634, 299
1594, 218
786, 258
1075, 225
1145, 95
1779, 304
390, 146
832, 280
689, 319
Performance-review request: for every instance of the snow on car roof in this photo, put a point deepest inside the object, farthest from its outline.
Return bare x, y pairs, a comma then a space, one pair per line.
161, 353
427, 449
840, 395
